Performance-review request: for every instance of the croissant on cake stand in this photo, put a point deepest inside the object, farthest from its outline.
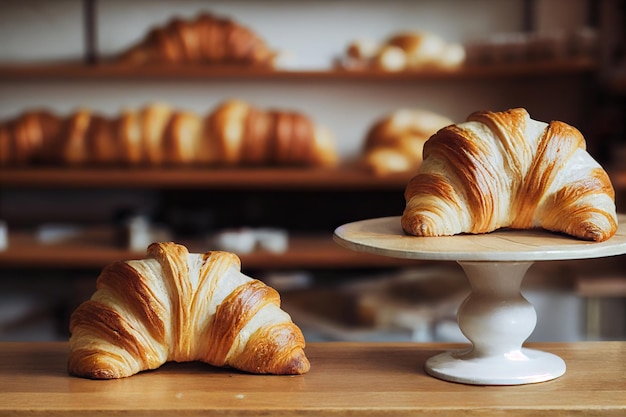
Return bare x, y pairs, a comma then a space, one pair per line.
180, 306
506, 170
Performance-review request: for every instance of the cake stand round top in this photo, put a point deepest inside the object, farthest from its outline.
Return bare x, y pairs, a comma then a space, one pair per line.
384, 236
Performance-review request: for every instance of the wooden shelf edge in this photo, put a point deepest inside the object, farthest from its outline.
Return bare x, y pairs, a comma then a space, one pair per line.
98, 250
276, 178
31, 71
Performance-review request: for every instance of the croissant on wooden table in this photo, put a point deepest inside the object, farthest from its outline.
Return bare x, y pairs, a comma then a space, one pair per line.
506, 170
180, 306
205, 39
235, 133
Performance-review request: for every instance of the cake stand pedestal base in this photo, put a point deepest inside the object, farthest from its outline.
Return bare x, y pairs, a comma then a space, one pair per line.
497, 319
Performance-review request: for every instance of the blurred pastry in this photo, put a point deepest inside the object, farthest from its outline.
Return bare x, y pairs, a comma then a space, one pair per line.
23, 138
235, 133
404, 51
206, 39
395, 142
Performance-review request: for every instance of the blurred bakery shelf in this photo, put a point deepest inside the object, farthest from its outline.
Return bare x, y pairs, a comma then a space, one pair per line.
59, 71
344, 177
96, 248
216, 178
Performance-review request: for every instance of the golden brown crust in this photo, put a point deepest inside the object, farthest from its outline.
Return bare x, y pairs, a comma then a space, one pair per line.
176, 306
101, 148
205, 39
395, 142
256, 147
503, 169
234, 133
24, 139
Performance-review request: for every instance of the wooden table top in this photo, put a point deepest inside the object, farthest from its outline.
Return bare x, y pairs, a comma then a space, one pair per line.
384, 236
352, 378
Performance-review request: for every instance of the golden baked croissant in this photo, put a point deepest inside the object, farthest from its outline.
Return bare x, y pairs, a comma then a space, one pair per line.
395, 142
244, 134
235, 133
180, 306
205, 39
504, 169
23, 139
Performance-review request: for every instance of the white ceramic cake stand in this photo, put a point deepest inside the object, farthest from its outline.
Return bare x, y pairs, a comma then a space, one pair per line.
495, 317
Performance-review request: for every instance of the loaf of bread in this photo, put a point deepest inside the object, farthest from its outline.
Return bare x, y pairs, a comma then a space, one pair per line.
180, 306
234, 133
394, 143
207, 39
506, 170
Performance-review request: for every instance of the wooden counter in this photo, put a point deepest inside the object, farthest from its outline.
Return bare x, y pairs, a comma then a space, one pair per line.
350, 378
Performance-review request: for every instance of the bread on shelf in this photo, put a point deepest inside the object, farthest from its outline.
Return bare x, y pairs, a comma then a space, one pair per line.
235, 133
394, 143
26, 137
506, 170
205, 39
404, 51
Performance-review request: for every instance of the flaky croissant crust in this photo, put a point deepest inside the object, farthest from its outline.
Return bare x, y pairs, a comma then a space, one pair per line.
504, 169
177, 306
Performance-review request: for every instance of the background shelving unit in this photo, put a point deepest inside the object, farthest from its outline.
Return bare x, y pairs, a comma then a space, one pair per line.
76, 71
307, 202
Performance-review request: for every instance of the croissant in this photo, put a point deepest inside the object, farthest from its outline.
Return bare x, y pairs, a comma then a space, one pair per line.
205, 39
247, 135
235, 133
181, 306
504, 169
24, 138
395, 142
409, 50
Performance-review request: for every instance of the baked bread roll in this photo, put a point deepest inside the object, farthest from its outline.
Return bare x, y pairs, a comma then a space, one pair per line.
504, 169
235, 133
23, 139
180, 306
410, 50
395, 142
245, 135
206, 39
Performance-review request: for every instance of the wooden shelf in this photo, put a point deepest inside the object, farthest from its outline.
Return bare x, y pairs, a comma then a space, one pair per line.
216, 178
365, 379
96, 249
224, 178
74, 71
